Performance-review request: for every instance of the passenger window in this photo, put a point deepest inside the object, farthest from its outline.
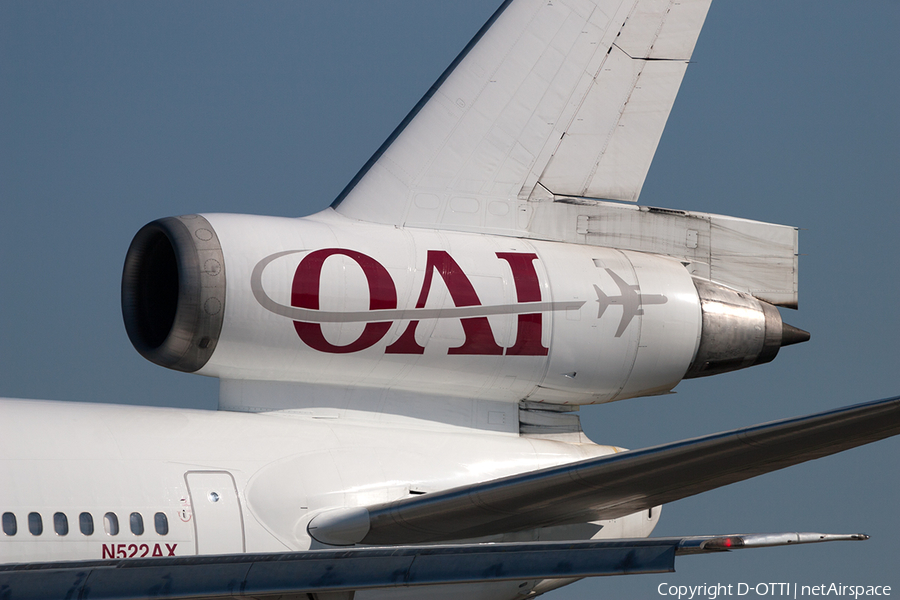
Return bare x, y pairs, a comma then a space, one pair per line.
111, 523
137, 523
9, 524
35, 523
161, 523
86, 523
60, 524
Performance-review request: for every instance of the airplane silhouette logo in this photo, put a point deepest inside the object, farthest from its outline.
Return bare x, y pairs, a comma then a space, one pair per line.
631, 300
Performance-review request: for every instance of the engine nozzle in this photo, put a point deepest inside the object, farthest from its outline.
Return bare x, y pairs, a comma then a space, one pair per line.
738, 331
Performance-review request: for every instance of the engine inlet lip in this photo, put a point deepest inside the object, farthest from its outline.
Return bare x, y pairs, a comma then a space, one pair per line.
173, 292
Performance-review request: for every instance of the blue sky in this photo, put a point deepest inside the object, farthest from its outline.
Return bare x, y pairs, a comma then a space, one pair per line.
115, 114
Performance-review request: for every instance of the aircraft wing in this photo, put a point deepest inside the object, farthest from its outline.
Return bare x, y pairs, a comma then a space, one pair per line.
354, 569
611, 486
568, 97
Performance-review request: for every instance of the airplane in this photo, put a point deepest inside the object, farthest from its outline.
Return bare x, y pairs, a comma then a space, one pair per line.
631, 300
530, 344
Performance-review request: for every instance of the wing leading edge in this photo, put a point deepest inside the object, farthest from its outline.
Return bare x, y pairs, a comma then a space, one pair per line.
611, 486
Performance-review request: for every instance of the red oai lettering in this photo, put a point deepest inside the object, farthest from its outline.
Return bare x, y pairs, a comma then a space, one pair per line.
171, 549
157, 551
479, 335
305, 294
528, 289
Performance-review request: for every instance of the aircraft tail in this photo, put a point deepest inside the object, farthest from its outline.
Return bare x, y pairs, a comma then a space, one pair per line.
559, 96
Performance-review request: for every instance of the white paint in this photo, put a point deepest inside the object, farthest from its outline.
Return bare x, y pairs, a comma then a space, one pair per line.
273, 473
556, 93
257, 344
218, 523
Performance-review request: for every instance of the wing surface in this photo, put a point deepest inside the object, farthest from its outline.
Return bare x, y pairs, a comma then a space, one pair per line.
569, 97
343, 571
610, 486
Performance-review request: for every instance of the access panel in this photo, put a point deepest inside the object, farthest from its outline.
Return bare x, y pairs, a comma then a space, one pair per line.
218, 521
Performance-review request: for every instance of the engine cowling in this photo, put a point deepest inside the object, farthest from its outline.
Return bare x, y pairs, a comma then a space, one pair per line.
173, 292
326, 300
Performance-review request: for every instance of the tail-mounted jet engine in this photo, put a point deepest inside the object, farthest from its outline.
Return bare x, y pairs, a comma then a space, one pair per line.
326, 300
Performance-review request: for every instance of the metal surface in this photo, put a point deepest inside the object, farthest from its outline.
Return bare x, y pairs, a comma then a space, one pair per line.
360, 311
750, 256
333, 570
724, 543
217, 515
173, 292
542, 418
739, 331
613, 486
251, 575
573, 96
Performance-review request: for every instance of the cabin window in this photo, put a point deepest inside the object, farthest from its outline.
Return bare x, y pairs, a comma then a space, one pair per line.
10, 527
137, 523
161, 523
86, 523
111, 523
35, 523
60, 523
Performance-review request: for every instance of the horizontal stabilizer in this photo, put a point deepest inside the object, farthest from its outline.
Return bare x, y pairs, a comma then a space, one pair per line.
611, 486
353, 569
750, 256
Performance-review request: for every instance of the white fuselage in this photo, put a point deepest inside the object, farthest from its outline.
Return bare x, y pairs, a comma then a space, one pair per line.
230, 482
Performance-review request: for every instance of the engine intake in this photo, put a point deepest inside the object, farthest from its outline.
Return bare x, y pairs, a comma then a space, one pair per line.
173, 292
